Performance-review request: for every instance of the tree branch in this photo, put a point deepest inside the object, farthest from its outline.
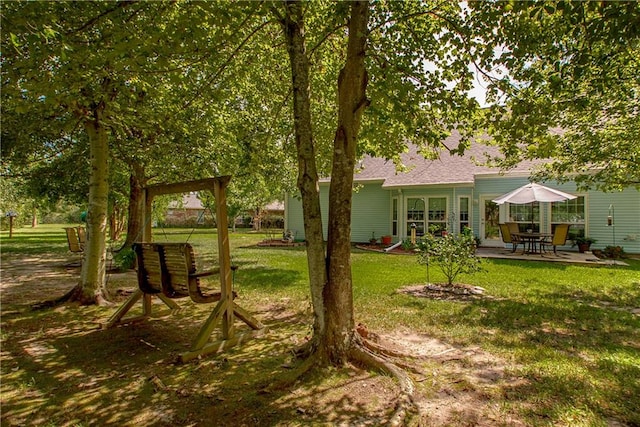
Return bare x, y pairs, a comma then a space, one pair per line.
91, 22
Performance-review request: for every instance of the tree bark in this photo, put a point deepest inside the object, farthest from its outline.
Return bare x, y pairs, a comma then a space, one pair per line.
92, 281
308, 182
137, 180
352, 101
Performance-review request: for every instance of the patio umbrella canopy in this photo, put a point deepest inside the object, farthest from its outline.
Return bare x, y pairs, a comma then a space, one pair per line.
533, 192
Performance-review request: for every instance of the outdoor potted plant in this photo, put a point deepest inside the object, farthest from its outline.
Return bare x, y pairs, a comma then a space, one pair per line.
373, 240
386, 240
583, 243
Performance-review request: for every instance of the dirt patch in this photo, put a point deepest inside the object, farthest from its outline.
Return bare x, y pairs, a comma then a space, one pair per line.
58, 368
458, 386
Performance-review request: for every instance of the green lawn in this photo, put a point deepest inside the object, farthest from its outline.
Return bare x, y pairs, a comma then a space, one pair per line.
567, 331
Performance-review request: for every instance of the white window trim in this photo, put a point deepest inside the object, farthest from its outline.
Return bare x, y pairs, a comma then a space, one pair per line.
469, 211
403, 228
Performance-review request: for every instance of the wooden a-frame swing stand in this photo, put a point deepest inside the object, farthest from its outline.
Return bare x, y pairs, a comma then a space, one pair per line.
226, 310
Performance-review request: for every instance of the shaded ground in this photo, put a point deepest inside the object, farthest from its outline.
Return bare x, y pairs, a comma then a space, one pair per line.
59, 369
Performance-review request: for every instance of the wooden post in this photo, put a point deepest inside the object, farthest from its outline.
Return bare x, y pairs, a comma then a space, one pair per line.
224, 256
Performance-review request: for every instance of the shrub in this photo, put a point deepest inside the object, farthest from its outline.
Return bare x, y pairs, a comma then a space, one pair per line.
125, 259
452, 254
613, 252
407, 245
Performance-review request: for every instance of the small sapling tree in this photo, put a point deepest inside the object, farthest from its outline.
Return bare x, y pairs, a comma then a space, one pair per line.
453, 254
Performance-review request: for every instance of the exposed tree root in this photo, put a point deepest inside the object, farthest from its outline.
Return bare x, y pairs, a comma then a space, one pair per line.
307, 365
75, 294
369, 355
395, 357
362, 354
305, 350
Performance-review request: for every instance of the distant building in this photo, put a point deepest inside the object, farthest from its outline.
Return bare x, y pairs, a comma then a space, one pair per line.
190, 212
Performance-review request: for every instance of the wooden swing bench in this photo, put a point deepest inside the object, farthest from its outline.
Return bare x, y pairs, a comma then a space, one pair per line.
168, 271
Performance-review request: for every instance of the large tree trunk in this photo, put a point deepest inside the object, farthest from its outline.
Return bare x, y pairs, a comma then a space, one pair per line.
330, 276
352, 101
92, 281
335, 339
307, 171
137, 181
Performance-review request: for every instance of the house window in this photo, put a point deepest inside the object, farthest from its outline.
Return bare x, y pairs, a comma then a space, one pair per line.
437, 215
527, 216
464, 217
394, 217
415, 215
570, 212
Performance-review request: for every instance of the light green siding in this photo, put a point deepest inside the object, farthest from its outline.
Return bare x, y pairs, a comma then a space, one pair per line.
626, 209
371, 212
293, 215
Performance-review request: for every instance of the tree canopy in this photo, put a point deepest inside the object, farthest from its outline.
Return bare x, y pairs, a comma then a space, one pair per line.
567, 87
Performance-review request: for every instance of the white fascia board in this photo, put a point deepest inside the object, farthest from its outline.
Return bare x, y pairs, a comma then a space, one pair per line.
464, 184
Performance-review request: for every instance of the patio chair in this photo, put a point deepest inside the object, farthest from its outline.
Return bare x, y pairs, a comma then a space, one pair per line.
513, 227
507, 237
73, 241
560, 235
82, 236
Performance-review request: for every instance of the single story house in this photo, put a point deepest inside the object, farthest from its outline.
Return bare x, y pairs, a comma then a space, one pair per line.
188, 212
453, 192
191, 212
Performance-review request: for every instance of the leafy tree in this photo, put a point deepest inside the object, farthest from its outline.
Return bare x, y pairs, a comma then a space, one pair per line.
70, 60
370, 57
568, 87
147, 90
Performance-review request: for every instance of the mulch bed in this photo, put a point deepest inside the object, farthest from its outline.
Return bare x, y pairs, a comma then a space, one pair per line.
381, 249
279, 243
443, 291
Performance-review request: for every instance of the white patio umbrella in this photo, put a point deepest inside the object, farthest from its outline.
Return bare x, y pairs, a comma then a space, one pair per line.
532, 193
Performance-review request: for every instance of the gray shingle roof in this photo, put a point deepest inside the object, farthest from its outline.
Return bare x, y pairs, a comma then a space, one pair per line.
447, 169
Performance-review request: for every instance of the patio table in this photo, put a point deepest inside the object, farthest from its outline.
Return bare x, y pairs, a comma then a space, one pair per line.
532, 240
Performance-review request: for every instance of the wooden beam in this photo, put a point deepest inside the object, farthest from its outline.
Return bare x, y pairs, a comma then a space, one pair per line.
185, 187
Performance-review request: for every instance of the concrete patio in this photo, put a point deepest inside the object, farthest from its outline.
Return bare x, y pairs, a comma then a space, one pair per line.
570, 257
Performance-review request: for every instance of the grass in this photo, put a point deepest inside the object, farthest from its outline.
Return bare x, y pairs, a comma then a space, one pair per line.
567, 332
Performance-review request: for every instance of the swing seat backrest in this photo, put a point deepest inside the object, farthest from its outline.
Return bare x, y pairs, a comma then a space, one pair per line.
177, 268
149, 268
182, 279
82, 236
179, 265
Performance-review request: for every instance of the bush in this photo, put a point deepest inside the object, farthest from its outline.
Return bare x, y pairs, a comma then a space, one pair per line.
125, 259
407, 245
613, 252
452, 254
